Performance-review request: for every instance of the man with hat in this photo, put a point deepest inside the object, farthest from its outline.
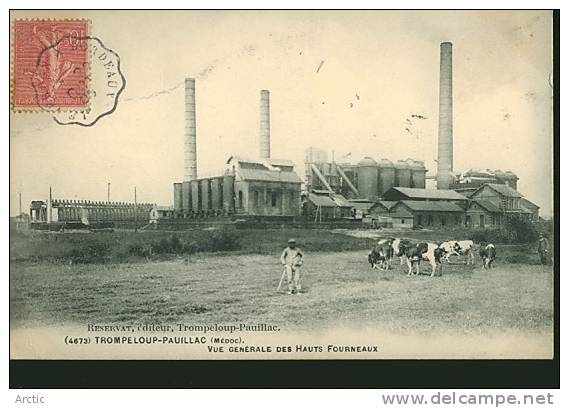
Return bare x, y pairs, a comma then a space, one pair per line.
543, 249
291, 259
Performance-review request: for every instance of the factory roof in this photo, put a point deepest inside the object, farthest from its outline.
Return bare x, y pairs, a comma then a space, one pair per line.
487, 205
271, 161
435, 206
367, 161
416, 164
489, 173
428, 194
502, 189
281, 162
265, 170
331, 200
269, 175
402, 164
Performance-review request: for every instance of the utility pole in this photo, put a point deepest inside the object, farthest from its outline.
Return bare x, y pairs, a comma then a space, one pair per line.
108, 192
48, 215
20, 214
135, 211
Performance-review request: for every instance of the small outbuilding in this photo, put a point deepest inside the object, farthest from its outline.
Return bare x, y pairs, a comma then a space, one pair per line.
483, 214
409, 213
362, 208
325, 205
159, 212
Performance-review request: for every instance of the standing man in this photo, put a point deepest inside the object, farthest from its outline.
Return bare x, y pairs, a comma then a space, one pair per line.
291, 259
543, 249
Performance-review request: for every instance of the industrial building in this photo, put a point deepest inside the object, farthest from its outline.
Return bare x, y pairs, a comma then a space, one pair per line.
477, 198
368, 179
260, 187
75, 213
248, 187
373, 189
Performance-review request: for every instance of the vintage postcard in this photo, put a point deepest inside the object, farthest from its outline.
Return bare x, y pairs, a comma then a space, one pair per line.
221, 185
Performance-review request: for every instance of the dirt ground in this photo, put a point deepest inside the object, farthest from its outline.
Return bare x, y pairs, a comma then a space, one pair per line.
338, 288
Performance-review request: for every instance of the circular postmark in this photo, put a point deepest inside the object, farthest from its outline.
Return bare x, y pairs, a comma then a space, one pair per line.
99, 81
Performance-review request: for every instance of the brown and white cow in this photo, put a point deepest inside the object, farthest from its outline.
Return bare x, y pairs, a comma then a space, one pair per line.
380, 256
488, 255
424, 251
458, 248
400, 246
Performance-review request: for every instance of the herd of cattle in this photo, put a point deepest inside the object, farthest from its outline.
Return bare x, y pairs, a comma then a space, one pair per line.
385, 250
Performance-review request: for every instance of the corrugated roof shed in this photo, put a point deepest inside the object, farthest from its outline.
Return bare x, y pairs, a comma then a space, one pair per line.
341, 201
503, 189
466, 191
488, 205
335, 200
321, 200
426, 194
434, 206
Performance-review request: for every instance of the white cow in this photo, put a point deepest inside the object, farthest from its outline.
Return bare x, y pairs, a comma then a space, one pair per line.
459, 248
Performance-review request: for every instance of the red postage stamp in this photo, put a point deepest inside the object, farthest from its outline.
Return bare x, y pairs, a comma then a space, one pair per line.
50, 65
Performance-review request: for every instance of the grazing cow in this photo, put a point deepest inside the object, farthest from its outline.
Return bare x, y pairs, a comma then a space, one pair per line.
380, 256
459, 248
400, 247
488, 254
429, 252
414, 255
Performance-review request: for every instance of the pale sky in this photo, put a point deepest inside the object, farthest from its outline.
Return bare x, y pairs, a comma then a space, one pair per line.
502, 97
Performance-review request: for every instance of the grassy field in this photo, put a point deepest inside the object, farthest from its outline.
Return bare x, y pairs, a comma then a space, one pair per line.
240, 285
124, 246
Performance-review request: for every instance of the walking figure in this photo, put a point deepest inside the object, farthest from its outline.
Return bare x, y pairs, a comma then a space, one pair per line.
291, 259
543, 249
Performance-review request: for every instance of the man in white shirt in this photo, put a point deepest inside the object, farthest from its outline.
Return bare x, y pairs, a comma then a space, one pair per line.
291, 259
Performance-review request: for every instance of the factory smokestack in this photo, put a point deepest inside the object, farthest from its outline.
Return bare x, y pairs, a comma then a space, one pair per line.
265, 129
190, 154
444, 162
